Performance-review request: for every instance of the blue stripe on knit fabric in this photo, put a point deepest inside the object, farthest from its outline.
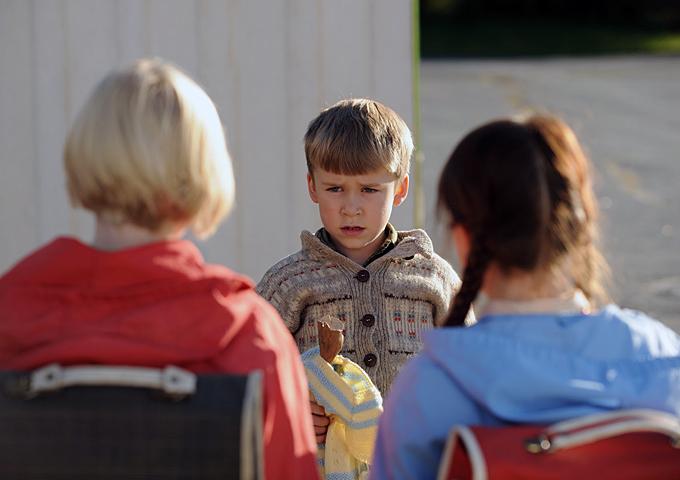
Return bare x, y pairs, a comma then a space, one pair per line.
312, 352
341, 476
311, 356
373, 403
352, 375
373, 422
324, 402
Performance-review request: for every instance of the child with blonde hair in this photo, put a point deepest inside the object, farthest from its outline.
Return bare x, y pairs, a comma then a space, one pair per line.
546, 348
147, 156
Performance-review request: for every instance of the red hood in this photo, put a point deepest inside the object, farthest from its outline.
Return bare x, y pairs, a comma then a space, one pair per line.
72, 303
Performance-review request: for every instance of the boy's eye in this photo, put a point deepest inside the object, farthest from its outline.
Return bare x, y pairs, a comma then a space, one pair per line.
333, 189
369, 190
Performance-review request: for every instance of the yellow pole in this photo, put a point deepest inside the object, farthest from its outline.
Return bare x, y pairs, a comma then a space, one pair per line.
417, 176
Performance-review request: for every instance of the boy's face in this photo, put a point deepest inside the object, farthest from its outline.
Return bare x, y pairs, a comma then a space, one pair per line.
355, 209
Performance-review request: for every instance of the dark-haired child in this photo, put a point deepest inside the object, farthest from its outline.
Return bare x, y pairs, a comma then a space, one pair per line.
523, 219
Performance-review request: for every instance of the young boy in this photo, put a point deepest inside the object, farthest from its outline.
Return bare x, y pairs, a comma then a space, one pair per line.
385, 286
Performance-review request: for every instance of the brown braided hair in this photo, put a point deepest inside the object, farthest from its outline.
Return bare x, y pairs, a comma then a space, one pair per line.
476, 264
522, 190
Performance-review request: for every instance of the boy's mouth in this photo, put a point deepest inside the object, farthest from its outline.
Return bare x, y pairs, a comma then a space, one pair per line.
352, 230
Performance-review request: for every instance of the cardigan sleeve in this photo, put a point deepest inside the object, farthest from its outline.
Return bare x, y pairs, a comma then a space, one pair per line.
284, 295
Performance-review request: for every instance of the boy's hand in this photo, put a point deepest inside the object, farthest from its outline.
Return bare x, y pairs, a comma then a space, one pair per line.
320, 420
331, 338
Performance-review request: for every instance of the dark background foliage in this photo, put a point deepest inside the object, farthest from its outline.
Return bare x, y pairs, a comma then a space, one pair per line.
505, 28
646, 13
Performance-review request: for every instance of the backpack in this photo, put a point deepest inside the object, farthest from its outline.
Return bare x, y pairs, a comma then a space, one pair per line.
625, 444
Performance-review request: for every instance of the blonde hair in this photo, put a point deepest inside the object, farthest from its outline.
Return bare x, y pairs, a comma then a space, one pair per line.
357, 136
148, 149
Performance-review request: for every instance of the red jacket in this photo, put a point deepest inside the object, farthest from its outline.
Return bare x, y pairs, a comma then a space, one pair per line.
155, 305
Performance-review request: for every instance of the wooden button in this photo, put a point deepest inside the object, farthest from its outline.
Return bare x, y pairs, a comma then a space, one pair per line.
370, 360
363, 276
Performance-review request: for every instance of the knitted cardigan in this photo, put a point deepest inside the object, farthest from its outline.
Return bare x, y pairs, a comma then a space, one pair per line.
385, 305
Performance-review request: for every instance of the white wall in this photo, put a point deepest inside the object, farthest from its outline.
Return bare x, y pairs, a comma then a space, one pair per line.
269, 65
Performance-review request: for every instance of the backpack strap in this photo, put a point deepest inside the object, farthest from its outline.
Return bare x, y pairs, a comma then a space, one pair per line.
600, 426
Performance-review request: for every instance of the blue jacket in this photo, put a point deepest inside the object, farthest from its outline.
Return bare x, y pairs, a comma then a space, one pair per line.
523, 368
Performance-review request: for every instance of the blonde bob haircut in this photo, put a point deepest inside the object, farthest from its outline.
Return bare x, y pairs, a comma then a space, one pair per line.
148, 149
357, 136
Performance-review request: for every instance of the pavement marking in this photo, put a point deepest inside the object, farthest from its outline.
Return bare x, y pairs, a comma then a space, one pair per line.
629, 182
668, 287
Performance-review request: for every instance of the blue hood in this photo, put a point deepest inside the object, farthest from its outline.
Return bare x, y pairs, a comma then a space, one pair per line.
544, 368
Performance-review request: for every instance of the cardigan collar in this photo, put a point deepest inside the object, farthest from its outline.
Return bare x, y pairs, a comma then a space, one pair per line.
409, 244
391, 240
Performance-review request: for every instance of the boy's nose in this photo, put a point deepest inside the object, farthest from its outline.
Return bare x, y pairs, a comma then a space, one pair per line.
351, 209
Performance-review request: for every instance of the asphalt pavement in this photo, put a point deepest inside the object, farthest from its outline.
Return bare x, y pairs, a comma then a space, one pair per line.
625, 110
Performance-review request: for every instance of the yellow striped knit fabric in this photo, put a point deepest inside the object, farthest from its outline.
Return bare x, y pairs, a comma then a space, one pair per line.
354, 405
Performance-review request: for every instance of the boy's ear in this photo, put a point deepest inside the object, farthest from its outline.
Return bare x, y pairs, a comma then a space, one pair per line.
401, 191
312, 188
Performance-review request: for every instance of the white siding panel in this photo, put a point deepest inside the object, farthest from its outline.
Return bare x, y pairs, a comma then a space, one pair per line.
217, 75
270, 67
51, 125
91, 51
304, 100
347, 49
392, 69
91, 48
132, 30
391, 64
263, 144
18, 209
172, 32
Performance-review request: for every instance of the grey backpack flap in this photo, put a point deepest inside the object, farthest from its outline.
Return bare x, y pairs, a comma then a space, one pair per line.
96, 423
